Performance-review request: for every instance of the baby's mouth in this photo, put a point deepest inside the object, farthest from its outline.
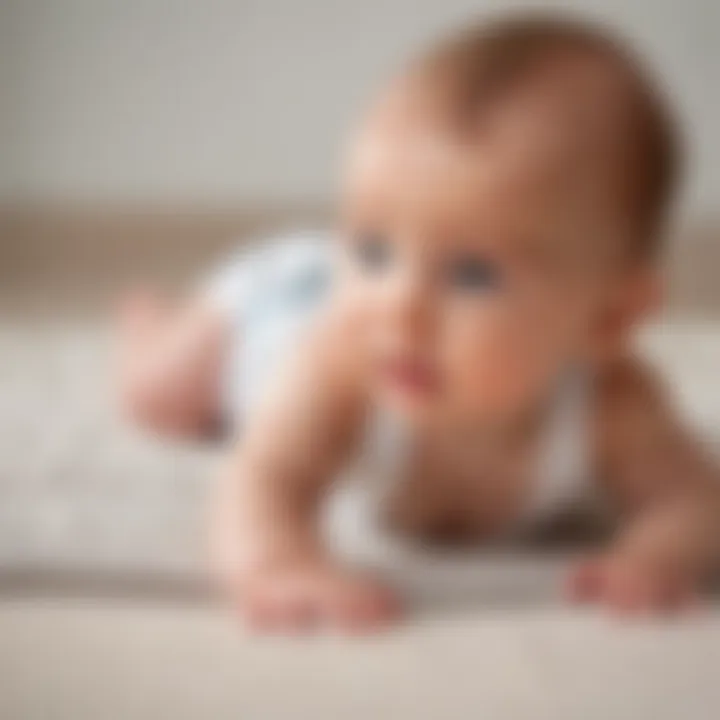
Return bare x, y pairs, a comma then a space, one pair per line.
411, 375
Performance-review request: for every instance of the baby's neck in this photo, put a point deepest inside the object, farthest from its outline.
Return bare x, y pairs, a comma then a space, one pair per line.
492, 437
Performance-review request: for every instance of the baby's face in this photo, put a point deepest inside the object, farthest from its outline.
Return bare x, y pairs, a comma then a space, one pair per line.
467, 267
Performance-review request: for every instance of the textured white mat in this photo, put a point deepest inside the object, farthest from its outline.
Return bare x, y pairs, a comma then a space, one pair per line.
487, 639
79, 490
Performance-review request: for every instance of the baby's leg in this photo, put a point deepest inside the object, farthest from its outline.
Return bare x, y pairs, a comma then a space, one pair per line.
170, 364
174, 360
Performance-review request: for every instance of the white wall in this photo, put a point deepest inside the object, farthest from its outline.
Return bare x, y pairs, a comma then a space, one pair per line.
234, 101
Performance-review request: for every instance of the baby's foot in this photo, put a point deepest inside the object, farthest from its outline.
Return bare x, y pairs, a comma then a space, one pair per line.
140, 321
140, 315
631, 585
304, 596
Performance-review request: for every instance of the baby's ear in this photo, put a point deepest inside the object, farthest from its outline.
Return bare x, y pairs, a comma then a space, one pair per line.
637, 297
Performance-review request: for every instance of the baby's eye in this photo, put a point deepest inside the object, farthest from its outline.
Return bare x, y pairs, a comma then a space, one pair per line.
474, 274
372, 251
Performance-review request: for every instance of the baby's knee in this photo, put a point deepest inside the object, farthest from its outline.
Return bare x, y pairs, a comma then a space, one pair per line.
169, 377
145, 403
163, 404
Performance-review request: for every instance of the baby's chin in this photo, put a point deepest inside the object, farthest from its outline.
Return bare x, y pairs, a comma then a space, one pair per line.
411, 412
441, 411
413, 406
425, 409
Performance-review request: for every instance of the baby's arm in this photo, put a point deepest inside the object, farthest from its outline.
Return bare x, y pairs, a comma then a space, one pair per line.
267, 547
668, 494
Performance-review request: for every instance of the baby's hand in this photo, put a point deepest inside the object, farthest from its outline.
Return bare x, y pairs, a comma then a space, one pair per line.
631, 585
303, 595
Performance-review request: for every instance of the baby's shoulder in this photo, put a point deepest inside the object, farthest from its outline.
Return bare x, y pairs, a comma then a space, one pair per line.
632, 407
625, 383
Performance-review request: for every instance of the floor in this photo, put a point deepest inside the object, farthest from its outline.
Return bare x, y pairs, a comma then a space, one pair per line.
82, 660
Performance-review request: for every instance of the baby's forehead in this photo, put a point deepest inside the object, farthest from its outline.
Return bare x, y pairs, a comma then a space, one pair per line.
558, 103
570, 101
538, 174
565, 127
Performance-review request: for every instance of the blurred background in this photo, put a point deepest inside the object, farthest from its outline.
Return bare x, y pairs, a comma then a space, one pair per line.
236, 111
140, 140
231, 104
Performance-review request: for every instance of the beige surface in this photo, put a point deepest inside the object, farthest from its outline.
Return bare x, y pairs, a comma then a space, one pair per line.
79, 259
84, 661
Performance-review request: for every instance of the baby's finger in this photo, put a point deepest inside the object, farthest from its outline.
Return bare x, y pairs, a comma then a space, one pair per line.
258, 614
301, 614
585, 581
626, 594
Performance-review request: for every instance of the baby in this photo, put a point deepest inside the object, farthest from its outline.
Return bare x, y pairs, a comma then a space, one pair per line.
498, 243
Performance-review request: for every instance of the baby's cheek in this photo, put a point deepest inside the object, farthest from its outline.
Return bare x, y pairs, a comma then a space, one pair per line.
496, 368
496, 380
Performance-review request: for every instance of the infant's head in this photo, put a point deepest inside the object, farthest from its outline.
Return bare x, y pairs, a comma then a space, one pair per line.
504, 207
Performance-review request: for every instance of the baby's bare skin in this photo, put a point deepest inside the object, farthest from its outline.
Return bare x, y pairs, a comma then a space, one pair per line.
655, 479
474, 269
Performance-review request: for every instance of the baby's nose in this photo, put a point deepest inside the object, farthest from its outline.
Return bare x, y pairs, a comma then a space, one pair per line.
410, 308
